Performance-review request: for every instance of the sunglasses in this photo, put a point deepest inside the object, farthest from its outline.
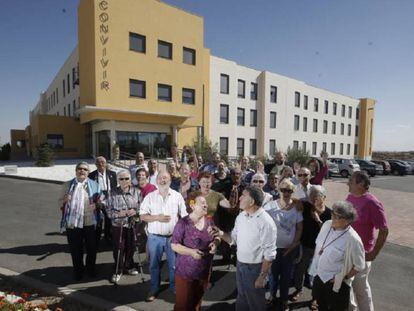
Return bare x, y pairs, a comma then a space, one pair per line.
303, 175
82, 169
286, 190
258, 181
126, 178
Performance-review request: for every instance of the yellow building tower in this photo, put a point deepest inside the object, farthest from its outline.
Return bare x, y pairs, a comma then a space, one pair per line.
366, 128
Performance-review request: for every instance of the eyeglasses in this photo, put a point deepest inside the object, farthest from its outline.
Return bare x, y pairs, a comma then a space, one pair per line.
82, 169
125, 178
258, 181
303, 175
286, 190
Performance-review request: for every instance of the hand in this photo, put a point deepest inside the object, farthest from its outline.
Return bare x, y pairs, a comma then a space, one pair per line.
370, 256
324, 155
197, 254
290, 248
316, 217
213, 247
215, 232
66, 198
260, 281
296, 166
121, 214
163, 218
131, 212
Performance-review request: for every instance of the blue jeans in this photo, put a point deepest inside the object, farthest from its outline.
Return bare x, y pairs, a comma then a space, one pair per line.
249, 297
281, 274
157, 245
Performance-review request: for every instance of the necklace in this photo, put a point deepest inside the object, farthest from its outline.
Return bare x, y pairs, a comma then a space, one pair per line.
325, 246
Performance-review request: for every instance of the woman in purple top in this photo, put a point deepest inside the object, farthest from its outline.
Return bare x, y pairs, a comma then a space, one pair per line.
195, 247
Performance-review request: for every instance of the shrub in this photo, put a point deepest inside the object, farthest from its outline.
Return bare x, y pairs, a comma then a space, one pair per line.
45, 155
297, 155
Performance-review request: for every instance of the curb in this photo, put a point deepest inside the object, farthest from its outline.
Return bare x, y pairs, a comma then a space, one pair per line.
49, 181
52, 289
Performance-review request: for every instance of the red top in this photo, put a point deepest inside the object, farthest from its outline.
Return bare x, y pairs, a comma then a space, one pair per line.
147, 189
318, 178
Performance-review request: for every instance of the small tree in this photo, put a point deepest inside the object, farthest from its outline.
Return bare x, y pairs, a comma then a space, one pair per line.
5, 151
297, 155
205, 148
45, 155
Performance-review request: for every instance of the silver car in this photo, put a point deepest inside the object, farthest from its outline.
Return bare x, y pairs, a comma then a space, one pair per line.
346, 166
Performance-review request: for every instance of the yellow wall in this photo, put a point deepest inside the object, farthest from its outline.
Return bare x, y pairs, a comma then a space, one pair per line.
366, 127
156, 21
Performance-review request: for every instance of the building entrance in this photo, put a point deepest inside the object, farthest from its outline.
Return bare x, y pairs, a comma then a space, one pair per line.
154, 145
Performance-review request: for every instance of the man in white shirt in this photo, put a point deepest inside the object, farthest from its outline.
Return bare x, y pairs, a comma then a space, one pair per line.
139, 162
303, 188
152, 171
255, 236
161, 209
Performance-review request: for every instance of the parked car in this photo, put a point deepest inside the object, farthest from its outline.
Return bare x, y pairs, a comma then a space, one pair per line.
412, 166
371, 168
346, 166
333, 169
386, 167
407, 165
399, 168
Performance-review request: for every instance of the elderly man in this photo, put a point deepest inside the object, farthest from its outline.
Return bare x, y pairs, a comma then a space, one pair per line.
139, 162
161, 209
247, 172
371, 217
107, 182
271, 186
279, 163
255, 236
152, 171
302, 189
211, 167
77, 201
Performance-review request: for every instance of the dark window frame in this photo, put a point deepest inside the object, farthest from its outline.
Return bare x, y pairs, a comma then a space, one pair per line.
168, 45
139, 82
227, 112
193, 97
227, 90
167, 87
133, 35
193, 56
243, 83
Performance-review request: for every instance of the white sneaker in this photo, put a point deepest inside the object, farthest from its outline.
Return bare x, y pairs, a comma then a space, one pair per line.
133, 271
115, 278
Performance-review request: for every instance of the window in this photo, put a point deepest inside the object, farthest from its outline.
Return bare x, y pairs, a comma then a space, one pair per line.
57, 95
241, 89
164, 49
253, 117
349, 129
137, 42
188, 96
305, 124
333, 128
355, 149
240, 116
164, 92
315, 125
74, 107
224, 145
316, 105
357, 113
272, 146
297, 99
343, 110
224, 84
350, 112
341, 148
240, 146
326, 108
273, 94
324, 146
253, 147
356, 130
305, 102
253, 91
73, 77
348, 149
342, 129
64, 88
224, 114
55, 141
189, 56
69, 110
304, 146
137, 88
335, 108
296, 122
332, 148
314, 147
64, 111
272, 119
68, 81
295, 145
325, 127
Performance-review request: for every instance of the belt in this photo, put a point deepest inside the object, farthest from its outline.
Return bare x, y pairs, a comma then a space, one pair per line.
162, 235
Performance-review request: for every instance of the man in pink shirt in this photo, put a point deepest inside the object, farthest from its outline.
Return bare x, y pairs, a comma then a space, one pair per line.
371, 217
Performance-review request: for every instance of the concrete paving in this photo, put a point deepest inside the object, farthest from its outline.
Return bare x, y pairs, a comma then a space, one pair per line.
31, 245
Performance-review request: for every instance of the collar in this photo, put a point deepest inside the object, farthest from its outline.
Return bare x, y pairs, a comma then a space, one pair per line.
255, 214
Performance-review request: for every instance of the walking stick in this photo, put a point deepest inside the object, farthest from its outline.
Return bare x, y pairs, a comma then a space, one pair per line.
136, 243
119, 253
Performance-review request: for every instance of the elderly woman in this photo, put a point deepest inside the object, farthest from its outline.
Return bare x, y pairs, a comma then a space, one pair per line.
315, 213
77, 202
288, 219
187, 184
287, 173
195, 247
339, 255
259, 181
123, 208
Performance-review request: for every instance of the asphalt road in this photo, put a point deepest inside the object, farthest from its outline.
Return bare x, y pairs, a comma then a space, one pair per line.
30, 244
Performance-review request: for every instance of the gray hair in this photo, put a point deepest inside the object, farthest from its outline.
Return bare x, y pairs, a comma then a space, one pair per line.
256, 194
261, 176
82, 163
122, 172
317, 189
344, 210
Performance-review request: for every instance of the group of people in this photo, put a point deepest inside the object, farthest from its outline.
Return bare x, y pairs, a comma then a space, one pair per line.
275, 218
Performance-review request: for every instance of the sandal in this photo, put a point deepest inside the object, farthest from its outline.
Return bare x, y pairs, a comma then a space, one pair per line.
151, 297
314, 305
296, 294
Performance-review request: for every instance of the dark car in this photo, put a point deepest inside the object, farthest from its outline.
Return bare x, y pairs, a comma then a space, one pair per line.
369, 167
398, 168
386, 167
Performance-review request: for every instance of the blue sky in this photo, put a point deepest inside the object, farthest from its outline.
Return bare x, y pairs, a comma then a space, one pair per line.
358, 48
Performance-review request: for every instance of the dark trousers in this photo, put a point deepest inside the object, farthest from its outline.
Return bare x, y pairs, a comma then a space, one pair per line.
189, 294
327, 299
249, 298
106, 223
78, 239
281, 274
125, 245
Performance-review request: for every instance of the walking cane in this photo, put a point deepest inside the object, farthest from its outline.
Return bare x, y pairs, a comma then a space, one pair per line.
136, 243
119, 253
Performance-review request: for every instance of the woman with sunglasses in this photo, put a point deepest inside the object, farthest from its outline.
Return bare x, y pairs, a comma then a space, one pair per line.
123, 208
288, 219
259, 181
195, 246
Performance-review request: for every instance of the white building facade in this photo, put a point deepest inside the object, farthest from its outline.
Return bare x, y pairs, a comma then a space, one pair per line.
257, 113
